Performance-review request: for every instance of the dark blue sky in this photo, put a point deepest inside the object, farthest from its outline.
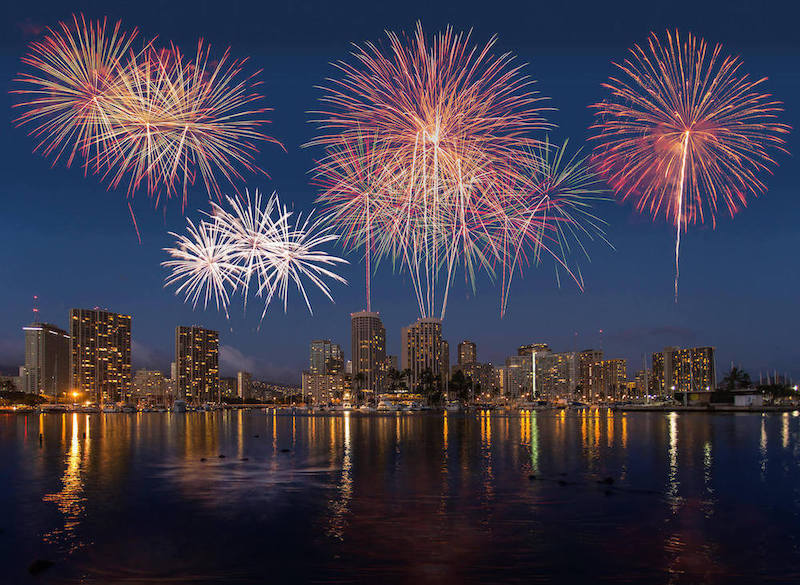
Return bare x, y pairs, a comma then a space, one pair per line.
69, 240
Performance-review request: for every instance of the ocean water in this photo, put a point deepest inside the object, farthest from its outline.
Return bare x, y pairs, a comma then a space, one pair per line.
587, 496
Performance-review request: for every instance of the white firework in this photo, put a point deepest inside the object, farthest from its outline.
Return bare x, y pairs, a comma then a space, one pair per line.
203, 265
269, 243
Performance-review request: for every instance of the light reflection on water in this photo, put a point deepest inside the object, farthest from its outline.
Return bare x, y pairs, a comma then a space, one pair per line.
487, 497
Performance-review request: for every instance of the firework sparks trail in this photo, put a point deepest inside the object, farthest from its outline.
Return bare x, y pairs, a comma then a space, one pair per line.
356, 178
270, 244
453, 124
147, 116
686, 133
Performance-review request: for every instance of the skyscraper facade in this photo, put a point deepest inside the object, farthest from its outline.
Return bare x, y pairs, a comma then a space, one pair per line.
608, 379
368, 346
467, 353
684, 370
197, 364
586, 358
325, 357
444, 361
421, 349
47, 351
557, 374
518, 376
244, 385
150, 388
101, 354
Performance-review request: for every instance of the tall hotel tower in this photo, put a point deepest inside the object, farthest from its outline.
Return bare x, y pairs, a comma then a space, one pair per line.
368, 345
101, 354
197, 364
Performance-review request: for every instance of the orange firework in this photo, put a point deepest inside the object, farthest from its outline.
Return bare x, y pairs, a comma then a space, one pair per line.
685, 132
75, 74
178, 118
149, 117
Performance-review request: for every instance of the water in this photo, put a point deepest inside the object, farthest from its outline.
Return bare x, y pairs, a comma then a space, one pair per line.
412, 498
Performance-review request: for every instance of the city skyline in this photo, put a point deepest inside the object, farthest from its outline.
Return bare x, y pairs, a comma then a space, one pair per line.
331, 349
628, 289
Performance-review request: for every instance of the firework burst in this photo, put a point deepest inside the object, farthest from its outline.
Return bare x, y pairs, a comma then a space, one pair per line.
268, 244
686, 132
72, 86
450, 122
149, 117
551, 214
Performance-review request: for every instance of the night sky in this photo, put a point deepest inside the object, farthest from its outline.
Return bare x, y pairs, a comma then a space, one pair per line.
67, 239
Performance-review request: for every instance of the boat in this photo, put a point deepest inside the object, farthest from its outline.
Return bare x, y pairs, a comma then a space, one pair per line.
53, 408
386, 406
365, 408
179, 406
453, 406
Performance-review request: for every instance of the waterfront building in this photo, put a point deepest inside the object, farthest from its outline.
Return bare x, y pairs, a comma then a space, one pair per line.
684, 370
101, 355
518, 377
467, 353
557, 374
368, 351
244, 385
444, 362
197, 364
586, 358
47, 354
229, 387
421, 349
500, 379
484, 377
324, 388
325, 356
608, 379
150, 388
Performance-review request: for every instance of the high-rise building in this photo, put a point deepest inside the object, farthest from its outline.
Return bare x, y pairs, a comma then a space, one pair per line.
150, 388
518, 376
101, 354
324, 388
368, 346
421, 349
228, 387
467, 352
197, 364
46, 369
608, 379
586, 358
244, 384
444, 361
557, 374
684, 370
325, 357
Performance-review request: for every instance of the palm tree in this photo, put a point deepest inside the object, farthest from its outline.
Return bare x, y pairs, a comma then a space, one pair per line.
735, 379
406, 376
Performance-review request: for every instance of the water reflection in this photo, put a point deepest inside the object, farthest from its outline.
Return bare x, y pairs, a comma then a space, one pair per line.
673, 483
411, 497
340, 504
70, 499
